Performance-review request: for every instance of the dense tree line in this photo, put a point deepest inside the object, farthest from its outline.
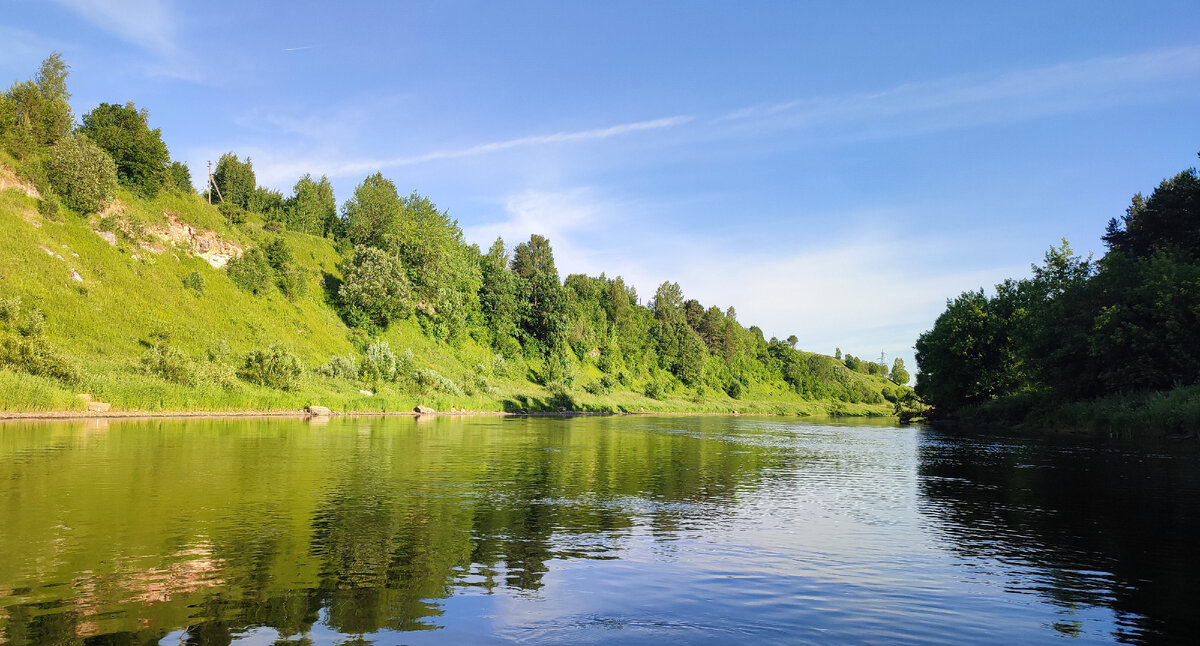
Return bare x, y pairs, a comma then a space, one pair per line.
1079, 328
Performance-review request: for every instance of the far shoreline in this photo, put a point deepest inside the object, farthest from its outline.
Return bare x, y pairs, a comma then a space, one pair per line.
6, 416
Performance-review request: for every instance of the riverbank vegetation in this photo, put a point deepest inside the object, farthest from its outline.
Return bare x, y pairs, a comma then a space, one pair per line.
119, 280
1108, 344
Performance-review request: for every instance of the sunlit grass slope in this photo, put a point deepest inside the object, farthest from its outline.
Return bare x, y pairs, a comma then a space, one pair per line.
106, 303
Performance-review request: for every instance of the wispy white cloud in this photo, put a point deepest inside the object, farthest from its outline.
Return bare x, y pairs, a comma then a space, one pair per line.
290, 166
145, 23
962, 101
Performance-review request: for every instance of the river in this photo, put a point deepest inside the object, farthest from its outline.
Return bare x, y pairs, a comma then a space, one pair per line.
624, 529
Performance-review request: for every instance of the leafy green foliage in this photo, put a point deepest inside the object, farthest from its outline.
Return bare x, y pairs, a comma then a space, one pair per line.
36, 113
379, 363
140, 155
1079, 330
375, 290
340, 367
235, 180
252, 271
170, 363
178, 177
899, 373
28, 351
312, 209
194, 281
36, 356
275, 367
372, 213
82, 173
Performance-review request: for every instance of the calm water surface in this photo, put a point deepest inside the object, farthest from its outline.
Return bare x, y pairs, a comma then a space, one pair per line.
587, 530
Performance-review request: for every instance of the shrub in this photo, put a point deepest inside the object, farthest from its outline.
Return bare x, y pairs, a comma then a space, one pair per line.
379, 363
656, 388
275, 367
292, 281
194, 281
34, 355
499, 366
48, 206
82, 174
170, 363
251, 271
340, 367
33, 323
375, 290
430, 380
602, 386
10, 309
734, 389
232, 212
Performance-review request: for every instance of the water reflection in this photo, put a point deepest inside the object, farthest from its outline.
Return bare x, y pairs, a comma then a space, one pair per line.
637, 530
221, 526
1080, 524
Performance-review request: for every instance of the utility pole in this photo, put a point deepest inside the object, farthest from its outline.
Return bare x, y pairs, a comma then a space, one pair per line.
882, 358
212, 185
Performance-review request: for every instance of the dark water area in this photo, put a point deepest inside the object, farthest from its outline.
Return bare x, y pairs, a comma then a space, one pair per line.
588, 530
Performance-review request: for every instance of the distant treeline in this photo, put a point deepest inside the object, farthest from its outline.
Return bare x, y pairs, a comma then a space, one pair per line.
1080, 329
404, 257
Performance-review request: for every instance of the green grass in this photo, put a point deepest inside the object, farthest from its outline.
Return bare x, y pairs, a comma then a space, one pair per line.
130, 295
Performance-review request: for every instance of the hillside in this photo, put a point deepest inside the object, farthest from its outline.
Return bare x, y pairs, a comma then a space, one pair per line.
119, 280
110, 288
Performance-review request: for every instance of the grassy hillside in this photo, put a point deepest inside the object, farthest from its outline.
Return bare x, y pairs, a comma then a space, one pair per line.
110, 289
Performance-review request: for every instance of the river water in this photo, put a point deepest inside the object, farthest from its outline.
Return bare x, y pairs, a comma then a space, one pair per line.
626, 530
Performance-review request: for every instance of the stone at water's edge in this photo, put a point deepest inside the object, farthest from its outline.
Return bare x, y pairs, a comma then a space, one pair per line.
321, 411
98, 407
423, 410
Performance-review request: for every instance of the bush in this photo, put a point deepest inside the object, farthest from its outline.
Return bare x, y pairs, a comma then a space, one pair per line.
292, 281
430, 380
48, 206
34, 355
340, 367
375, 290
194, 281
82, 174
379, 363
232, 212
10, 309
275, 367
603, 386
499, 367
33, 323
734, 389
251, 271
656, 388
170, 363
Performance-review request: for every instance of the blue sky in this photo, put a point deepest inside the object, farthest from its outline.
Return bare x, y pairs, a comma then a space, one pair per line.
832, 170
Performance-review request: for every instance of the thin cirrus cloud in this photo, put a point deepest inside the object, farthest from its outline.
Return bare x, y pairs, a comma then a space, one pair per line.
905, 110
962, 101
279, 171
145, 23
